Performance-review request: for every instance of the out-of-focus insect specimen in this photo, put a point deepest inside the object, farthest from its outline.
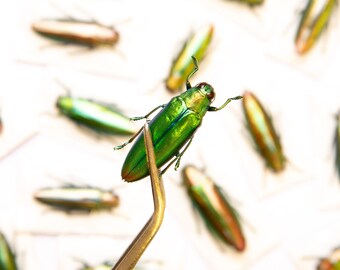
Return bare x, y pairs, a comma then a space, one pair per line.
77, 198
315, 18
7, 259
250, 2
1, 126
263, 133
71, 31
100, 117
331, 263
102, 266
211, 202
172, 129
337, 144
108, 266
196, 45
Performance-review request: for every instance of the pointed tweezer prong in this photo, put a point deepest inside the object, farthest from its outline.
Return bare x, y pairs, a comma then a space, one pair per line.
133, 253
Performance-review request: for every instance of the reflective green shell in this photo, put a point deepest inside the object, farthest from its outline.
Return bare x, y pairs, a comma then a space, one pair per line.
99, 117
209, 199
171, 129
7, 260
251, 2
196, 45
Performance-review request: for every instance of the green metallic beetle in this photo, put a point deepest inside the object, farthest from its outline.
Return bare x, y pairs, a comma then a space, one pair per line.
209, 199
103, 266
331, 263
86, 33
315, 18
250, 2
73, 198
172, 129
102, 118
263, 133
196, 45
7, 259
337, 144
107, 265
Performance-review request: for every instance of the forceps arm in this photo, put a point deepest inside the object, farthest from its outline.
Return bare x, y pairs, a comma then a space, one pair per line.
136, 249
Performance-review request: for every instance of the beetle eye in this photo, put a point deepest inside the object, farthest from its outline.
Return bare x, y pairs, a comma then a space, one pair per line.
211, 94
207, 89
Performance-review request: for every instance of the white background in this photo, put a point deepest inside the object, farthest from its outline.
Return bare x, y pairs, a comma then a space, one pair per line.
286, 217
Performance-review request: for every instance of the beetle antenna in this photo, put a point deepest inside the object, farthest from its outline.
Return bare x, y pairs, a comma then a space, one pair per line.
188, 85
62, 10
88, 14
61, 84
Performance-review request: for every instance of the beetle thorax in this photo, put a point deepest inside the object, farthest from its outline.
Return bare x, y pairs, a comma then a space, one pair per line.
196, 100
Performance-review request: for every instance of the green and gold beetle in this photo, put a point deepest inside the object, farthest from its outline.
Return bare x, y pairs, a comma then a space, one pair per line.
263, 133
172, 129
212, 204
196, 45
7, 259
315, 18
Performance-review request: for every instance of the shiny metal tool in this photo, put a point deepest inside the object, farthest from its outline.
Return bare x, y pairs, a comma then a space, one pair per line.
136, 249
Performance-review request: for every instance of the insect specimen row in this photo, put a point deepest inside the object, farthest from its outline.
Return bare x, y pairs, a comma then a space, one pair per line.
107, 119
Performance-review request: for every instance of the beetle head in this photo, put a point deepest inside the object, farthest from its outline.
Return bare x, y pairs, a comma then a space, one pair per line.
207, 90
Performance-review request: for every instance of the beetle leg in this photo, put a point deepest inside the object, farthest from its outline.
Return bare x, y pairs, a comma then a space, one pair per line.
188, 84
147, 115
83, 49
53, 43
129, 141
169, 165
181, 154
177, 158
214, 109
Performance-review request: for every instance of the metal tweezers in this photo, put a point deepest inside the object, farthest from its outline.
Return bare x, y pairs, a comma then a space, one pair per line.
136, 249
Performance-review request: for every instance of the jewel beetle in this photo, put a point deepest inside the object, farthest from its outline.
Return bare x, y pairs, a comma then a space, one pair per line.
263, 133
107, 265
102, 266
172, 129
212, 204
181, 67
100, 117
337, 144
314, 20
7, 258
77, 198
72, 31
251, 2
